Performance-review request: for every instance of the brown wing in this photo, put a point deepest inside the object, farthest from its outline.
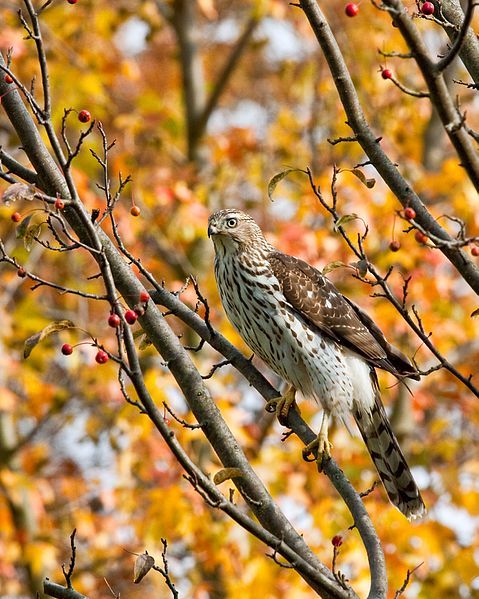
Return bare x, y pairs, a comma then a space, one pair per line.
317, 299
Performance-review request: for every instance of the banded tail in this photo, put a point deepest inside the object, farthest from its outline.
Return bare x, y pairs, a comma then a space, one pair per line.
389, 459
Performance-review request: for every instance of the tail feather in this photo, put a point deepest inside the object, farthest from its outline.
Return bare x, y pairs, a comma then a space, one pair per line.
388, 458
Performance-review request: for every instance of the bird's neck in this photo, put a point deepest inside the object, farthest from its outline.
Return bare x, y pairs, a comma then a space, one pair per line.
228, 249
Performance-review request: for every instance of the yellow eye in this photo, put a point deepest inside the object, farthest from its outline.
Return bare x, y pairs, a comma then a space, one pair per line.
231, 223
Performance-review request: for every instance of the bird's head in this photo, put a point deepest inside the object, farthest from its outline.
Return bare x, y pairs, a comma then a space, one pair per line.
233, 230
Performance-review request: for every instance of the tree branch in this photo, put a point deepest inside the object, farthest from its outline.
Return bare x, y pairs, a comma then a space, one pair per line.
460, 39
225, 74
469, 50
368, 141
16, 168
56, 590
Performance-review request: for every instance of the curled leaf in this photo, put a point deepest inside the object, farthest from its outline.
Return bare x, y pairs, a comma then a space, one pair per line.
332, 266
345, 219
143, 564
53, 327
18, 191
369, 183
226, 474
475, 313
279, 177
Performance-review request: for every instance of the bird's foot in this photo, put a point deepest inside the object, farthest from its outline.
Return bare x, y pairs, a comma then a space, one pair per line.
321, 445
319, 450
282, 405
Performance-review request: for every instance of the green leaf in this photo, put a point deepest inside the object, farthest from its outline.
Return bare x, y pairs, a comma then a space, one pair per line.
279, 177
332, 266
53, 327
30, 235
345, 219
23, 226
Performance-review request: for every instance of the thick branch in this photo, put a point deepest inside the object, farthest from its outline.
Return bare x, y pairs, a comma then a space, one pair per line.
225, 74
56, 590
469, 52
386, 168
460, 38
438, 91
16, 168
184, 21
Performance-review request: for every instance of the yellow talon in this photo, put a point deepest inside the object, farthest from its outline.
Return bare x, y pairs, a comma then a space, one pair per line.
321, 445
282, 405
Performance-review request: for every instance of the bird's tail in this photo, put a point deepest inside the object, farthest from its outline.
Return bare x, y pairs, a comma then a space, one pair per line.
388, 458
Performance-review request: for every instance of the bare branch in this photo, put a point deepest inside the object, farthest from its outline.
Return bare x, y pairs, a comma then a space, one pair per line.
460, 39
368, 141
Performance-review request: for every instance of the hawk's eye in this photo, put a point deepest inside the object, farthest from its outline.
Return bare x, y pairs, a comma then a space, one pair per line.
231, 223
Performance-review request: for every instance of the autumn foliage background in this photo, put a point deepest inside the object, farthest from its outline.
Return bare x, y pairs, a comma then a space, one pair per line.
73, 453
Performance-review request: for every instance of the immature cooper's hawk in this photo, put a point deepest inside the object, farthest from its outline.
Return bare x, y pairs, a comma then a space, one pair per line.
316, 339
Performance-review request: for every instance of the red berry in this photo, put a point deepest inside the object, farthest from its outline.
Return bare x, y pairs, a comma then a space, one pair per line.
72, 1
59, 204
131, 316
386, 74
420, 237
67, 349
101, 357
84, 116
409, 213
22, 273
114, 320
144, 296
475, 250
135, 211
427, 8
16, 217
351, 9
337, 541
394, 246
8, 78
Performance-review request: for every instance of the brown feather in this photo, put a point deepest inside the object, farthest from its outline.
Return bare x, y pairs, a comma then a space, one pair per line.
314, 296
388, 458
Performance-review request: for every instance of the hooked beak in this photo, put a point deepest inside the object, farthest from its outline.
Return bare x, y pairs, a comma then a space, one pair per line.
212, 230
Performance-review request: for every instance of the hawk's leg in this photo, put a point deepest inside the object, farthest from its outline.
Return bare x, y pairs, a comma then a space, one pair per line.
282, 405
321, 444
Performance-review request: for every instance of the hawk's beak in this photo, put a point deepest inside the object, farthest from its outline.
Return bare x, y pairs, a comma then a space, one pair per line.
212, 230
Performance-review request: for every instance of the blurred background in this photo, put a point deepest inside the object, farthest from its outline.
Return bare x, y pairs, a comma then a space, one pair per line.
207, 101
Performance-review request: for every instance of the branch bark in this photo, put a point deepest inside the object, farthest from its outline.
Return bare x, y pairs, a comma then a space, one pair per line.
469, 52
59, 592
370, 143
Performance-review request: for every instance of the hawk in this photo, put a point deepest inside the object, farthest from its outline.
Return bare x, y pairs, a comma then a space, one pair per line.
316, 339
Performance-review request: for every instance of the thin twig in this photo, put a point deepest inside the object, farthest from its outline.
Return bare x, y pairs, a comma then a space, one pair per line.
71, 566
400, 591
